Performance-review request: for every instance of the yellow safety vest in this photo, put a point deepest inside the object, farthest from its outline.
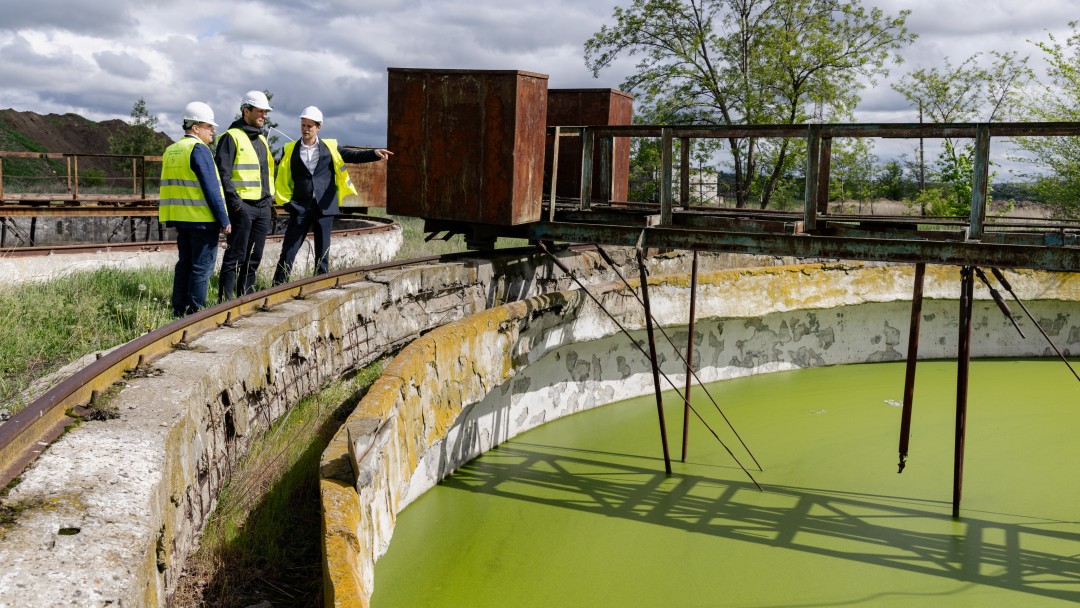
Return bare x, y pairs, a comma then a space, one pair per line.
181, 197
341, 173
246, 176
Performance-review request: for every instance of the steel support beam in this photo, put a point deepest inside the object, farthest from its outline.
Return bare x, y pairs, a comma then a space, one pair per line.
813, 177
666, 178
588, 139
963, 367
689, 355
912, 357
653, 359
904, 250
980, 183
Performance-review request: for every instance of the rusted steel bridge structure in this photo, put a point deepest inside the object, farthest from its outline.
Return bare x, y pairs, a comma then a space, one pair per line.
438, 115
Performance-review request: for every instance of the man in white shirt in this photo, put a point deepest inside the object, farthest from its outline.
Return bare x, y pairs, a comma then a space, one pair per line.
311, 182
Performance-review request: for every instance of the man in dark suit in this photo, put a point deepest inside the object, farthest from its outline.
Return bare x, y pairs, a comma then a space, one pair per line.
311, 183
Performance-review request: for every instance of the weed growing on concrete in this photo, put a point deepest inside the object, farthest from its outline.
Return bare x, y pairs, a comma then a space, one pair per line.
263, 542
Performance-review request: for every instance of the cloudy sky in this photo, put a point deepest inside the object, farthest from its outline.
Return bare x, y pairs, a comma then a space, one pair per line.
97, 58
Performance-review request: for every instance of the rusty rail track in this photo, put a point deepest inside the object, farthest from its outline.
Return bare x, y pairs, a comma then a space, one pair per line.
29, 431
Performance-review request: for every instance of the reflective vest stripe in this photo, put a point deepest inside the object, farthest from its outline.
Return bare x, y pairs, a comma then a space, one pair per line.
181, 182
190, 202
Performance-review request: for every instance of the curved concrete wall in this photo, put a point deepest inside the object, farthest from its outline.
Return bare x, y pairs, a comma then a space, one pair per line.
469, 385
108, 514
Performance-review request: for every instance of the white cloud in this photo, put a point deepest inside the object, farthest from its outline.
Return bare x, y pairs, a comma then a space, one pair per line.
97, 60
106, 19
124, 65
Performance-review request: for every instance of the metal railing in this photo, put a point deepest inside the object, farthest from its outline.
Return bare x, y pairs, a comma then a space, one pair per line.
72, 185
818, 139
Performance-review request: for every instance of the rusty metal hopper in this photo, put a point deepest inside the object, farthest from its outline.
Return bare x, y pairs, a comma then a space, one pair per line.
580, 107
468, 145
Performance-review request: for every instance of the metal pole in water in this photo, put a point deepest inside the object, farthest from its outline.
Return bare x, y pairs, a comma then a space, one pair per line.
652, 358
963, 364
689, 355
912, 355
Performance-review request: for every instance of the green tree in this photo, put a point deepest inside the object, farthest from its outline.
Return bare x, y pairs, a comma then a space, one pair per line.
969, 91
955, 170
141, 137
852, 173
965, 93
1058, 99
644, 179
890, 181
729, 62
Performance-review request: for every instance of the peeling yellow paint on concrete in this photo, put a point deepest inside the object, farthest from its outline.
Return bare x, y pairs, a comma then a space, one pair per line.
341, 546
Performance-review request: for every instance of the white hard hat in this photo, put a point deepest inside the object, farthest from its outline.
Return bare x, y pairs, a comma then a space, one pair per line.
256, 99
312, 113
198, 111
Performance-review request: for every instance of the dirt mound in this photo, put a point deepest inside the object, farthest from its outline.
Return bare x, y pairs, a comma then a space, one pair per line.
64, 133
32, 132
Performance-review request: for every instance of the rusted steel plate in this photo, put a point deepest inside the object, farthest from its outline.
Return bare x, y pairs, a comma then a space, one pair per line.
589, 107
370, 182
468, 144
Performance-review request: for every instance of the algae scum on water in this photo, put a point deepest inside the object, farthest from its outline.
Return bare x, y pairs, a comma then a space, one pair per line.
580, 512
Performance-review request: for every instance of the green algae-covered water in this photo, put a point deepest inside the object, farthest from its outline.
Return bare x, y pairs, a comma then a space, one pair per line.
580, 512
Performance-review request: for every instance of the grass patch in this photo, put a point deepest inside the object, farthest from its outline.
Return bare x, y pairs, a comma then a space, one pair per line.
263, 541
47, 325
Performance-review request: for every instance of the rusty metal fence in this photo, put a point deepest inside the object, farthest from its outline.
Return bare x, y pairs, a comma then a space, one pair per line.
102, 179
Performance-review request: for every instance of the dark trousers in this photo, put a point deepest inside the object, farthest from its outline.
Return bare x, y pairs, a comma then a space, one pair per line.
250, 225
198, 250
295, 231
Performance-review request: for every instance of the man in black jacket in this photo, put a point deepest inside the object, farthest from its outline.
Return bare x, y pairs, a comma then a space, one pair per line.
247, 176
311, 183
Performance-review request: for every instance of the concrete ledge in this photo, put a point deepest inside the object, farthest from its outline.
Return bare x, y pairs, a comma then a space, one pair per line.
345, 252
467, 386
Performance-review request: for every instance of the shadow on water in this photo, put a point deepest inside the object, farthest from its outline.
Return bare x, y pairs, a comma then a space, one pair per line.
905, 534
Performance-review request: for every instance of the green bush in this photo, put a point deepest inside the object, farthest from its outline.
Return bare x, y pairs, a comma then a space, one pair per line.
92, 178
